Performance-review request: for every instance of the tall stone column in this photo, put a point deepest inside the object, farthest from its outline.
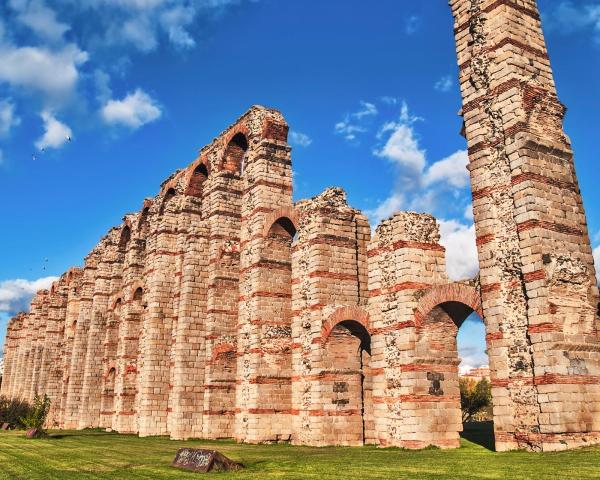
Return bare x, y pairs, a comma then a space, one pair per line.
51, 382
127, 354
330, 272
33, 367
189, 354
537, 274
73, 402
74, 276
13, 335
107, 281
264, 365
405, 258
22, 357
161, 313
223, 205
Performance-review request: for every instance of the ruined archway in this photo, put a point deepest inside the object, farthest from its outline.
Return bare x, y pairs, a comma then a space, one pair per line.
439, 316
235, 153
346, 382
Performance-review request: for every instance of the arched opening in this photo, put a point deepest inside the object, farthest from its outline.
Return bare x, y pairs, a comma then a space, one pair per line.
197, 179
475, 385
138, 294
168, 201
125, 237
456, 380
347, 385
283, 229
234, 155
143, 218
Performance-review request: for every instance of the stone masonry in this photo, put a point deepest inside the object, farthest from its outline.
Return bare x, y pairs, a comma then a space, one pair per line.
223, 310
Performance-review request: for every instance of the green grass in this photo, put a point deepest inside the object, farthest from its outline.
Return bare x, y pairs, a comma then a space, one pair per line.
94, 454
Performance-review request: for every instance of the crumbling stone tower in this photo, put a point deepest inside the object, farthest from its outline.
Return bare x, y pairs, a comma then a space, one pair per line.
537, 277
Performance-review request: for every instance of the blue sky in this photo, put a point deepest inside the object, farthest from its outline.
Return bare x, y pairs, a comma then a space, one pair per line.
100, 100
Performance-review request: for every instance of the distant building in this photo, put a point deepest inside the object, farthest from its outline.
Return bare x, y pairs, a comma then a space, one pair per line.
477, 374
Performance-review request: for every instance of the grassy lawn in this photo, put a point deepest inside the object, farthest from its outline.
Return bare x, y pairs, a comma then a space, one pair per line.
94, 454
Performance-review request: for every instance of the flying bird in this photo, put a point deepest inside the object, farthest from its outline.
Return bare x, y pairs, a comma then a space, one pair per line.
68, 138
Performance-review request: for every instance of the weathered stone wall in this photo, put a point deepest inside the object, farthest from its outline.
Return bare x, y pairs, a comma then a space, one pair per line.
538, 284
224, 310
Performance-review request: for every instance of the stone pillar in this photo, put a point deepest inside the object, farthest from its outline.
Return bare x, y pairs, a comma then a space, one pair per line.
34, 377
263, 396
404, 258
74, 397
13, 333
329, 268
134, 303
189, 354
161, 271
74, 277
52, 366
107, 281
21, 357
537, 276
223, 205
109, 366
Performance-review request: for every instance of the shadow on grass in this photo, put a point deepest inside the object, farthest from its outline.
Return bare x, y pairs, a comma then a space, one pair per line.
480, 433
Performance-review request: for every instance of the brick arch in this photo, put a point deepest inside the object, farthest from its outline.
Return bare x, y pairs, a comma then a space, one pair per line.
131, 290
272, 217
236, 129
111, 366
115, 298
342, 314
172, 185
189, 189
451, 292
146, 206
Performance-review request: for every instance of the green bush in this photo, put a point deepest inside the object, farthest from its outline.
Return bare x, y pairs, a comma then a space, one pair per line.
11, 411
36, 416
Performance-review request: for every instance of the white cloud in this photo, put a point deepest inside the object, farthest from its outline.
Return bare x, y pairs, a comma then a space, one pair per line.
174, 20
444, 84
568, 17
42, 20
451, 170
423, 184
596, 252
300, 139
142, 23
461, 250
102, 84
38, 68
135, 110
353, 123
139, 32
412, 24
8, 117
389, 100
56, 133
468, 213
402, 146
15, 295
386, 209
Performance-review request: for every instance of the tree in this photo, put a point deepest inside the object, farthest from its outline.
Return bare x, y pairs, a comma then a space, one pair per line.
475, 397
36, 416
